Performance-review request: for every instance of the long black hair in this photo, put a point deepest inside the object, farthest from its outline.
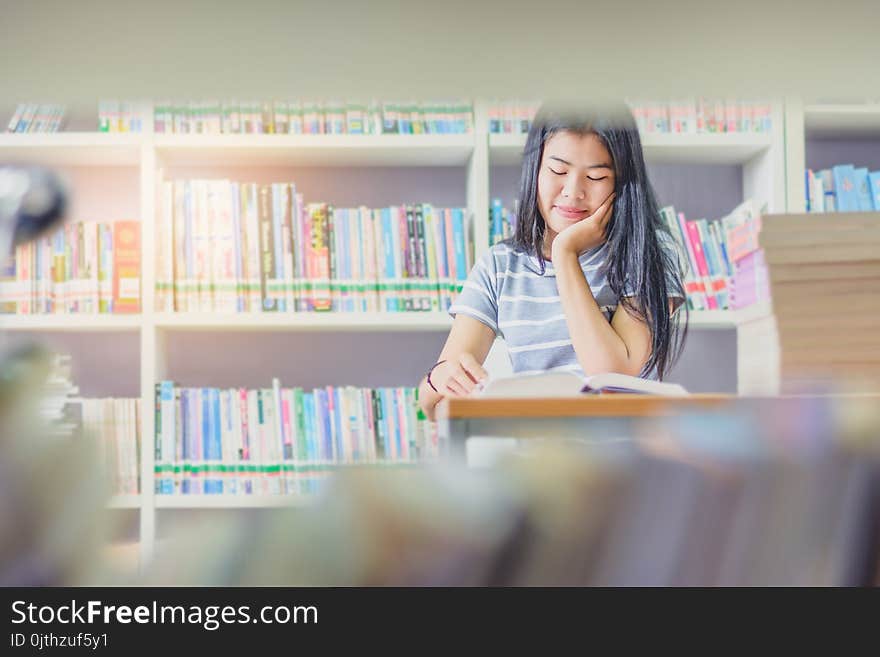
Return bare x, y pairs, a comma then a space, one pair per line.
637, 261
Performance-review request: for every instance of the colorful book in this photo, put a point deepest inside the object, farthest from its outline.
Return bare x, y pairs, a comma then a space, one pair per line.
126, 267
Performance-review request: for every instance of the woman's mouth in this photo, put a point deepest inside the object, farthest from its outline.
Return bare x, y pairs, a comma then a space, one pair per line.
571, 212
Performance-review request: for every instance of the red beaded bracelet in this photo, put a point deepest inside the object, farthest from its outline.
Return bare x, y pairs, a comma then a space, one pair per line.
429, 375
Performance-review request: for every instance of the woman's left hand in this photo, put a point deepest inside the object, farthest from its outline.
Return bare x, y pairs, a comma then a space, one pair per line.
586, 234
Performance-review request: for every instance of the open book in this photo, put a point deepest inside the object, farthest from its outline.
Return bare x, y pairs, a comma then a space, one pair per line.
569, 384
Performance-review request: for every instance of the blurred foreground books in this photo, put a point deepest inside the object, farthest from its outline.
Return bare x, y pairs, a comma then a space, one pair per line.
767, 492
775, 492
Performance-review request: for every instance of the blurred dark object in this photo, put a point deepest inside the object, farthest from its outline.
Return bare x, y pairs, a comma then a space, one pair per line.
32, 201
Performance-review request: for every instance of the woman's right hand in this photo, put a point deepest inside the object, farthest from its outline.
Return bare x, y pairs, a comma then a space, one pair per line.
459, 377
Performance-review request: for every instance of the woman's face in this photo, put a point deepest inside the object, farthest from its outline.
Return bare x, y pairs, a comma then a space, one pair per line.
575, 178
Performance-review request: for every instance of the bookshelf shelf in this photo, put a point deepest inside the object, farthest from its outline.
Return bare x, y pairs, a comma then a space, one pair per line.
434, 321
72, 149
361, 322
706, 148
70, 322
229, 501
316, 150
125, 502
506, 149
731, 148
857, 120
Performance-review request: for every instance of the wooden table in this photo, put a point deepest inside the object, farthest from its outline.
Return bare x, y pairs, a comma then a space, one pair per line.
589, 417
600, 418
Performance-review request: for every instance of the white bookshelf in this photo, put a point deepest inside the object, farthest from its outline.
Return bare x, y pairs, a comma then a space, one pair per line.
70, 323
72, 149
135, 502
230, 501
428, 321
762, 157
730, 148
821, 121
315, 150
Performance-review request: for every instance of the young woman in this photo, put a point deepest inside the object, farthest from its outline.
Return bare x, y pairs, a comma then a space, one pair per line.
590, 280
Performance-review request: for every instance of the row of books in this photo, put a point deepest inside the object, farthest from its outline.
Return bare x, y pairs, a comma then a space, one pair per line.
280, 440
512, 117
842, 188
703, 248
36, 117
314, 117
681, 116
340, 117
231, 247
703, 115
120, 116
501, 222
83, 267
114, 425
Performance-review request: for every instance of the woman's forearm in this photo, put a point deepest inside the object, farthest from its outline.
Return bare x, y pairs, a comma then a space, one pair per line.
597, 345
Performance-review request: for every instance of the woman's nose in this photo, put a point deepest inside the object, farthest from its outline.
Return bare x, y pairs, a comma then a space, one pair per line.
573, 188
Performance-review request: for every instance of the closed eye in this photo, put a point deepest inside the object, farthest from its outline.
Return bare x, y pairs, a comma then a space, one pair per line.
558, 173
596, 179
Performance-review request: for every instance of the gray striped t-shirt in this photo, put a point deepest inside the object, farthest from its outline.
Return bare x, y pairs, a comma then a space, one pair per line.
507, 293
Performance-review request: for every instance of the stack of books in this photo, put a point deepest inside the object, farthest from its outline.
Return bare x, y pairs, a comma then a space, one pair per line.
824, 276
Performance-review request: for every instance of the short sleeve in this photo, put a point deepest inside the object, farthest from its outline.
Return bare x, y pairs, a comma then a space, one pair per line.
479, 295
